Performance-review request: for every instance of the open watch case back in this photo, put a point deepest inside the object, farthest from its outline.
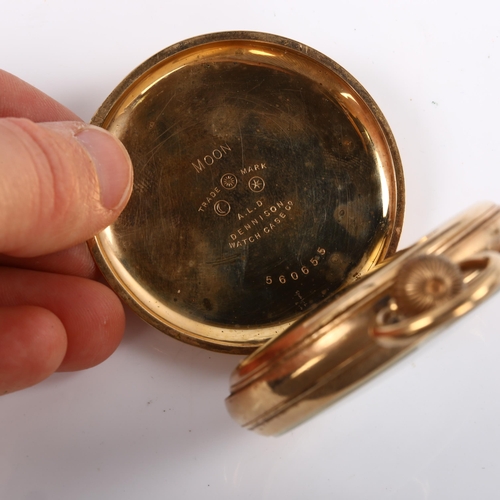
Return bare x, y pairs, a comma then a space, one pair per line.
266, 181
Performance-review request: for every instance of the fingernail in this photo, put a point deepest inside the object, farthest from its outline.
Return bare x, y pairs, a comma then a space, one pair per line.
112, 164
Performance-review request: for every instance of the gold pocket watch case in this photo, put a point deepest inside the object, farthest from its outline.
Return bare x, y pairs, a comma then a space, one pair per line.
265, 179
370, 325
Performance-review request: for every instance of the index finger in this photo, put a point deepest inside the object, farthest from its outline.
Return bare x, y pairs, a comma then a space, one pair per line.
21, 100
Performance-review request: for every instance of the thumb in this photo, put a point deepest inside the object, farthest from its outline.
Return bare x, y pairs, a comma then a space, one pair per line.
60, 183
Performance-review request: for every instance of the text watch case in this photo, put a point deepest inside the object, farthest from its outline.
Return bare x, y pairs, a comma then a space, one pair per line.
268, 192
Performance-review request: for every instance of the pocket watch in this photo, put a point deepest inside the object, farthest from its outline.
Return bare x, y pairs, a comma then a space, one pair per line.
267, 207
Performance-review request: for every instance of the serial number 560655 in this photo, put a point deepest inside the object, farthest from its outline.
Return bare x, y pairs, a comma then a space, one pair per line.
295, 275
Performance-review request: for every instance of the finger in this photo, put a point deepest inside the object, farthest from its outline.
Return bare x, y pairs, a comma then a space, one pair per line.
32, 346
60, 183
75, 261
91, 313
25, 101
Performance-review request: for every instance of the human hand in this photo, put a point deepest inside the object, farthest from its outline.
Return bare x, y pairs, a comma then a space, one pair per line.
61, 182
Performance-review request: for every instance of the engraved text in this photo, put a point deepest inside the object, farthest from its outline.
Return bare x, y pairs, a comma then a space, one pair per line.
210, 159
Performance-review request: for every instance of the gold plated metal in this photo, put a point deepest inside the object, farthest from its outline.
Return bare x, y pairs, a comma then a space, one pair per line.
370, 325
266, 178
425, 282
399, 324
267, 206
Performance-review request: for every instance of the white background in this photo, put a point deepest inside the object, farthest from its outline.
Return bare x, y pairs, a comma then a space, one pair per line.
150, 422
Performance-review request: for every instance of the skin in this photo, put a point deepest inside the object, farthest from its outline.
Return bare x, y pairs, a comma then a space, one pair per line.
54, 316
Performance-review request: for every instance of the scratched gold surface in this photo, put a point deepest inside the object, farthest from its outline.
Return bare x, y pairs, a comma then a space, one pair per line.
265, 179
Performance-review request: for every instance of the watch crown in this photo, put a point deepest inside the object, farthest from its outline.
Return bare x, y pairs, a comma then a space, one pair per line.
426, 282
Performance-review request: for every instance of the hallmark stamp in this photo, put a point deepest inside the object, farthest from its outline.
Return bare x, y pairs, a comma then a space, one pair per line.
222, 208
